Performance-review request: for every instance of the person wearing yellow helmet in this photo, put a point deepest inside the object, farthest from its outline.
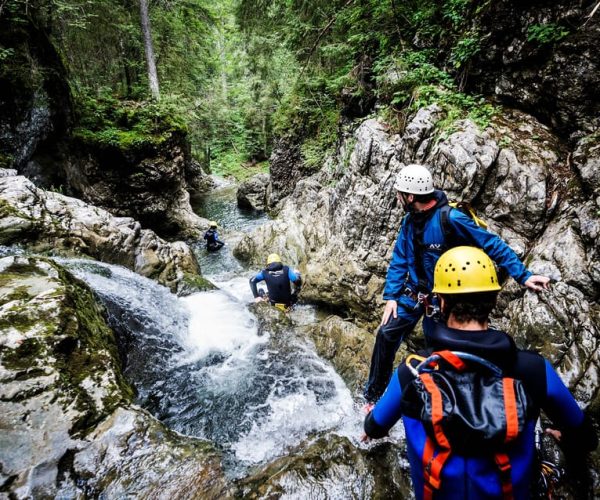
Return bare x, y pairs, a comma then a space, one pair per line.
449, 437
422, 238
213, 243
279, 280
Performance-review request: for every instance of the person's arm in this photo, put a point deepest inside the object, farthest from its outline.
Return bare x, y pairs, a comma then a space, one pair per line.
296, 278
500, 252
398, 268
575, 430
217, 237
396, 275
386, 412
253, 281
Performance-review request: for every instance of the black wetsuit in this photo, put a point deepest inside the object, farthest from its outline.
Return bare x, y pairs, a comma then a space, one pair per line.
213, 242
278, 278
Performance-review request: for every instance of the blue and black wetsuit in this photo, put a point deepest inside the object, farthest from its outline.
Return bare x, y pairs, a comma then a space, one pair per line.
278, 278
419, 245
477, 477
213, 242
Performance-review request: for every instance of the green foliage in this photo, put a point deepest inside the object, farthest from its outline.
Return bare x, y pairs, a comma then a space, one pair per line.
6, 53
399, 76
546, 33
456, 104
233, 165
109, 122
315, 149
465, 49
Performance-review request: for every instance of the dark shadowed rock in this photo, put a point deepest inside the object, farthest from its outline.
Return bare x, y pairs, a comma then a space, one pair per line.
553, 77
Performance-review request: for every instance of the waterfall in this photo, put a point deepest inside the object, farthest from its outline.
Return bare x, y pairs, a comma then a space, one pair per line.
199, 364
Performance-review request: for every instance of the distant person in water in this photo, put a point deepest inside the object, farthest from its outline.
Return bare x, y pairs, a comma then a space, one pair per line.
279, 279
213, 243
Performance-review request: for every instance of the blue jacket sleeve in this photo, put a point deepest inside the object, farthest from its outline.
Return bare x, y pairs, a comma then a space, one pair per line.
499, 251
398, 268
578, 433
292, 275
387, 410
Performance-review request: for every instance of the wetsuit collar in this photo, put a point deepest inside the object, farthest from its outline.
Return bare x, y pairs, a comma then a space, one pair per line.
274, 266
494, 345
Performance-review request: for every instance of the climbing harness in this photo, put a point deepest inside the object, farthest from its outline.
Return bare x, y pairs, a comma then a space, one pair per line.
550, 474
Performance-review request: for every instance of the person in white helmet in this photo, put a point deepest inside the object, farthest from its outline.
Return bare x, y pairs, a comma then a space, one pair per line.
423, 237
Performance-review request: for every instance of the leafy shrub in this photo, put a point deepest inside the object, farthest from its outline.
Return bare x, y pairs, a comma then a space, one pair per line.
546, 33
107, 121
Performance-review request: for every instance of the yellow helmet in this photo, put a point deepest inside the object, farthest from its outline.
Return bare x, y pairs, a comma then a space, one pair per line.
465, 270
273, 257
212, 223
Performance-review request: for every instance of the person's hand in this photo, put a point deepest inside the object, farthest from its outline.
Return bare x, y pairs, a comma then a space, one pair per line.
538, 283
555, 433
391, 309
258, 299
364, 438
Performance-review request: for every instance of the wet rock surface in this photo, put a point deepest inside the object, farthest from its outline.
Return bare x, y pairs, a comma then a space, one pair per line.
333, 467
49, 221
252, 193
68, 427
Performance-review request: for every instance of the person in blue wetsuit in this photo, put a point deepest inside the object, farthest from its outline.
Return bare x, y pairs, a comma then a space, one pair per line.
213, 243
279, 280
423, 237
478, 477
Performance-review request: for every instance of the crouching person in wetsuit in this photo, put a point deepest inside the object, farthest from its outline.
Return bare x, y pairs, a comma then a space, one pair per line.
466, 283
213, 243
278, 279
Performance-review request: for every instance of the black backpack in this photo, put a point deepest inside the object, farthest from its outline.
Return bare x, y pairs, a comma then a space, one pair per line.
468, 407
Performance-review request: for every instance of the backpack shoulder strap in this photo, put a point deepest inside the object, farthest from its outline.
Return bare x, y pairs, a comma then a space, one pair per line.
445, 223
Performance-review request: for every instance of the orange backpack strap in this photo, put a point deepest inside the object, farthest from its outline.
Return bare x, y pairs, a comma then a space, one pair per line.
432, 465
510, 409
503, 463
451, 358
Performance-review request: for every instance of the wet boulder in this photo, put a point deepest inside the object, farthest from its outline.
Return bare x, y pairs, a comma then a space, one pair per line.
333, 467
69, 429
252, 193
46, 220
60, 372
346, 346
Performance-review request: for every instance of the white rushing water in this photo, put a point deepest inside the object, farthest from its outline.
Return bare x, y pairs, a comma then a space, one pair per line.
199, 364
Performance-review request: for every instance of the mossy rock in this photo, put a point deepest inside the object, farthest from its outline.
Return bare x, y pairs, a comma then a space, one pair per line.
193, 283
51, 321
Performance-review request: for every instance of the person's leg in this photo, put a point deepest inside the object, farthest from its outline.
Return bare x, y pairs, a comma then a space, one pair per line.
387, 343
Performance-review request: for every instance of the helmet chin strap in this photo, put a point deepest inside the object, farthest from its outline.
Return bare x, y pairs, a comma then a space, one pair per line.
406, 205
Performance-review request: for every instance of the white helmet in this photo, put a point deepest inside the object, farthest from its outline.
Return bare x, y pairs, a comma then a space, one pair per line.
414, 179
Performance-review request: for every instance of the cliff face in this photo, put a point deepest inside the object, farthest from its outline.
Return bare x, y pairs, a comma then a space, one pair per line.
35, 101
542, 57
88, 152
339, 226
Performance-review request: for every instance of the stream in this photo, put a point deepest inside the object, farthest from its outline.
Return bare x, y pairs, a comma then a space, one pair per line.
199, 364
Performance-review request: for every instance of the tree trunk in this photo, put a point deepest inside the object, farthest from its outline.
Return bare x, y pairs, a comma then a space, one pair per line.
149, 49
